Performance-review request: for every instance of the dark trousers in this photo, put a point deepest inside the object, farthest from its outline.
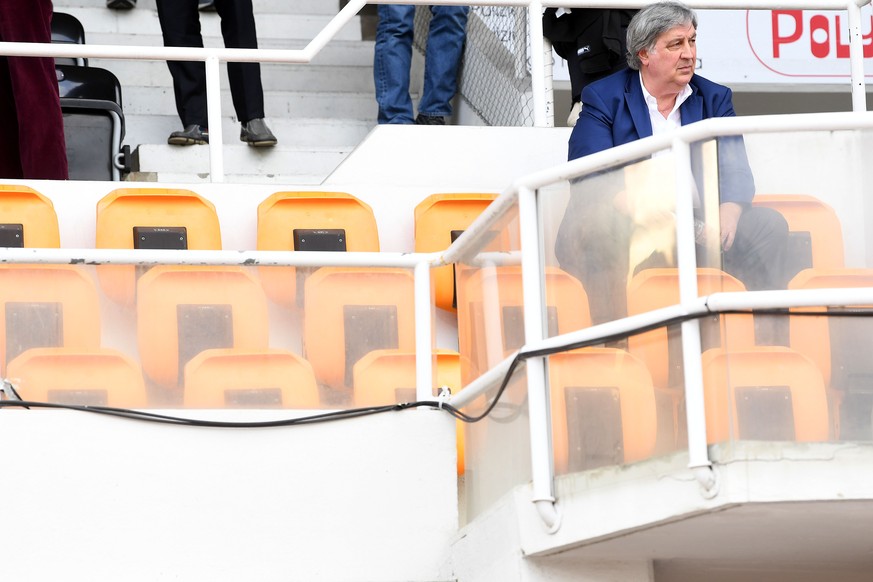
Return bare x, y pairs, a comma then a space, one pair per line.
592, 245
180, 25
31, 125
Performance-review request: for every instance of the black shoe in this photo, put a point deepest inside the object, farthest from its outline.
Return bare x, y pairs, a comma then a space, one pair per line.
257, 134
121, 4
191, 135
207, 5
429, 120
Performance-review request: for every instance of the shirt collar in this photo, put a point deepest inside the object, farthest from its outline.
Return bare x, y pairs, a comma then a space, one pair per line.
652, 102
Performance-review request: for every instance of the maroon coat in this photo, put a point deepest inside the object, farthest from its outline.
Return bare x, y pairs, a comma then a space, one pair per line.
31, 124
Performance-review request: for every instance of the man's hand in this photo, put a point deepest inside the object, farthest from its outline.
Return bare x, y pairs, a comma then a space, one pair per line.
729, 216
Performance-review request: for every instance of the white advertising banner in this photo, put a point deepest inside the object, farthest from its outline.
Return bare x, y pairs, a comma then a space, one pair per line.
797, 47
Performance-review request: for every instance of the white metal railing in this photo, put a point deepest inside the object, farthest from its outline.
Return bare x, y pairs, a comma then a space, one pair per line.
540, 87
523, 191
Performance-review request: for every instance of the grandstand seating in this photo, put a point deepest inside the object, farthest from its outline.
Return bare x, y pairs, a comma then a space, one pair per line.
182, 311
27, 218
490, 314
603, 409
46, 306
351, 312
93, 122
765, 393
319, 221
240, 378
151, 218
439, 220
84, 377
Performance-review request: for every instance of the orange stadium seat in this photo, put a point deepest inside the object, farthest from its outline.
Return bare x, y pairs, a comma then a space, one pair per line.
46, 306
388, 376
814, 230
439, 220
490, 314
237, 378
151, 218
766, 393
660, 349
182, 311
27, 218
603, 409
351, 312
839, 348
318, 221
93, 377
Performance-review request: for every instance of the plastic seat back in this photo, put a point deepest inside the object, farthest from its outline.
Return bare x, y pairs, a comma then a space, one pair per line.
67, 29
603, 409
351, 312
27, 218
151, 218
238, 378
93, 121
310, 221
182, 311
764, 393
95, 377
439, 220
661, 349
815, 235
490, 313
46, 306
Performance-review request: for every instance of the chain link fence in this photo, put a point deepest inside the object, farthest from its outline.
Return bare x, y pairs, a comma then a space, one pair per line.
495, 79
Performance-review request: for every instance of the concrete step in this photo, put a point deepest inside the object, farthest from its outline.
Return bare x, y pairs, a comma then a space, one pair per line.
144, 23
262, 6
239, 160
301, 132
274, 77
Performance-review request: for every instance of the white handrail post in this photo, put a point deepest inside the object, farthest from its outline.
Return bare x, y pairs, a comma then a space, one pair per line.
423, 346
698, 455
542, 469
856, 56
537, 64
213, 107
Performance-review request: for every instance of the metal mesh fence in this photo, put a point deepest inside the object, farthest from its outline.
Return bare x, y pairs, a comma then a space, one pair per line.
495, 78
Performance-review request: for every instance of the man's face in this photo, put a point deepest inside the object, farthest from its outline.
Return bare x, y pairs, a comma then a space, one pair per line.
669, 66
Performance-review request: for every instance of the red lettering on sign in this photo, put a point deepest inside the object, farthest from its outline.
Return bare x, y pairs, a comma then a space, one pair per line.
778, 39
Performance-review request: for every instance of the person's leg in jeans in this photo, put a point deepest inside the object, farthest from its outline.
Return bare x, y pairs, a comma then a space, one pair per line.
392, 61
445, 46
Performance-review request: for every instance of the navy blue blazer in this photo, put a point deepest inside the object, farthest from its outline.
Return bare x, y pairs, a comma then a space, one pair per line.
614, 112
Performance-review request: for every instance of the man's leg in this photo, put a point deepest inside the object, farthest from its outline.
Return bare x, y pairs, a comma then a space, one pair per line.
445, 47
757, 258
238, 30
393, 59
180, 25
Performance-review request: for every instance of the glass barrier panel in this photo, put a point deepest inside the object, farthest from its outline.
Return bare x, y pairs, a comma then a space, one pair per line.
497, 448
210, 338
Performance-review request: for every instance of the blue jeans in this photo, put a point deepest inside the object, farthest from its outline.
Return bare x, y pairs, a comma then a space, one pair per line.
445, 45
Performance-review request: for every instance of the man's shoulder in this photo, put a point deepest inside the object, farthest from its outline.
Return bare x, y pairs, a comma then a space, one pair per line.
614, 82
706, 87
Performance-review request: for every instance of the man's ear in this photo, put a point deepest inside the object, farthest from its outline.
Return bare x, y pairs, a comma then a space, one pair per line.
644, 56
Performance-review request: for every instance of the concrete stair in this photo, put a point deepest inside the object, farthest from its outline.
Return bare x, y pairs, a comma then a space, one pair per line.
319, 111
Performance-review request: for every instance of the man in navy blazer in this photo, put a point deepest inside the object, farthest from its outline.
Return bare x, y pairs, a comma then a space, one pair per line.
657, 94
